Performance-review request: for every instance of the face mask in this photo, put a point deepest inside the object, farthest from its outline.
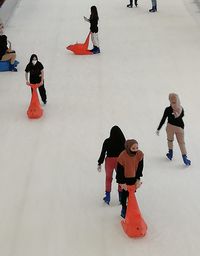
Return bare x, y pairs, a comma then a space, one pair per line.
133, 152
34, 62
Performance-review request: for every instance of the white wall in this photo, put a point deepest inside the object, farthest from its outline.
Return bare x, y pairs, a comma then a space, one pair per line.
7, 9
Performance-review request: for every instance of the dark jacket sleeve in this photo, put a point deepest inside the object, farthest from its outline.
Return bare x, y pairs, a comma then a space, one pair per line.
103, 153
163, 119
120, 174
182, 114
139, 169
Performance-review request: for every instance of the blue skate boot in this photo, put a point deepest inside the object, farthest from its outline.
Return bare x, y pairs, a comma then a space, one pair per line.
169, 155
107, 198
96, 50
186, 160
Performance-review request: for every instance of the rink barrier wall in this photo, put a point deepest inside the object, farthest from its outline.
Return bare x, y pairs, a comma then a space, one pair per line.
7, 9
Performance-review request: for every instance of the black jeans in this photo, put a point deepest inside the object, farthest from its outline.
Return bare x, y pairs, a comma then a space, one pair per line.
124, 198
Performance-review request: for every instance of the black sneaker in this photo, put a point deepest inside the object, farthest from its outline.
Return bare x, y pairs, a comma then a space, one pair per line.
129, 6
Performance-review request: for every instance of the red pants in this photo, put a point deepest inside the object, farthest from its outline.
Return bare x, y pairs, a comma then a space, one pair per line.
110, 165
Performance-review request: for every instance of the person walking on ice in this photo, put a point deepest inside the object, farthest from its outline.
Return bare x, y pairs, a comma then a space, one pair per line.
34, 74
111, 149
130, 165
93, 20
175, 126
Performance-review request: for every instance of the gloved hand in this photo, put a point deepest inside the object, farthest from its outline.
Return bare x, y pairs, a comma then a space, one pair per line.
99, 168
86, 19
123, 186
157, 132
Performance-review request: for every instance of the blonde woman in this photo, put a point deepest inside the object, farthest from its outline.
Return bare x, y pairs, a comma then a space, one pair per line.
175, 126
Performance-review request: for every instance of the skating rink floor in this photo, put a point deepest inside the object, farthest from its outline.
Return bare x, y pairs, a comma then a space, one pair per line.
50, 191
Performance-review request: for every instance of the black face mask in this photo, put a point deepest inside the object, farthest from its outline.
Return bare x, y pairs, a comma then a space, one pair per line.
131, 153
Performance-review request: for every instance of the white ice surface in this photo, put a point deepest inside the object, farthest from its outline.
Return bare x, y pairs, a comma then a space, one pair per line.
50, 192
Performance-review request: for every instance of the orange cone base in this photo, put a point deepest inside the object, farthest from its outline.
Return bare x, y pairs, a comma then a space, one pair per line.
80, 49
34, 111
133, 225
137, 229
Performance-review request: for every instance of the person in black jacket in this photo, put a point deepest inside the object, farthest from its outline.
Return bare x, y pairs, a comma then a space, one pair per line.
34, 74
175, 126
111, 149
94, 18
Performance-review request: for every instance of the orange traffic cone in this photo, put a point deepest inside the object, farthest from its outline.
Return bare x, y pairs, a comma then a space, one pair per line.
34, 111
80, 49
133, 225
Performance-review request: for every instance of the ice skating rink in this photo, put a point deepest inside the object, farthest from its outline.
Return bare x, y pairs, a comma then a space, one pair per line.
50, 191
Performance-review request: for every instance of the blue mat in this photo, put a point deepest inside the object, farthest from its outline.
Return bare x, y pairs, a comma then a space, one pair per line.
5, 65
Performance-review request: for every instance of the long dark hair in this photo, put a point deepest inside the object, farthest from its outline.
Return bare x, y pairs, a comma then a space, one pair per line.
33, 56
117, 136
94, 13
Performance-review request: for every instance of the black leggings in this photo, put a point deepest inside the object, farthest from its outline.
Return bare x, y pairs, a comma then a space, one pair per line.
124, 198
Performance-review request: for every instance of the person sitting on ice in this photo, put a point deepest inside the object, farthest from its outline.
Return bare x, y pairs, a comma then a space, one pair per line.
6, 53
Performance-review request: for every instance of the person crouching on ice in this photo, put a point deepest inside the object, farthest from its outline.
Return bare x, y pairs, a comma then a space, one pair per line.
94, 18
129, 170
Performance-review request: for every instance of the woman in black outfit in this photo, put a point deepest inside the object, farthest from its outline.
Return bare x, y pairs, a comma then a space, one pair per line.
111, 149
94, 18
35, 70
175, 126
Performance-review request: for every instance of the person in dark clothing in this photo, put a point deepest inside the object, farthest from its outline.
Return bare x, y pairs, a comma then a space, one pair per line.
131, 4
111, 149
6, 53
130, 165
35, 70
94, 18
175, 126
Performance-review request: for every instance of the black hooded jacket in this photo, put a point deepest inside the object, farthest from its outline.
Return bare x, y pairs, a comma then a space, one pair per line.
113, 145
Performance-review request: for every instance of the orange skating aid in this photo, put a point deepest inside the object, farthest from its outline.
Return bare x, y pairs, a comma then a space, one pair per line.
80, 49
34, 111
133, 225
